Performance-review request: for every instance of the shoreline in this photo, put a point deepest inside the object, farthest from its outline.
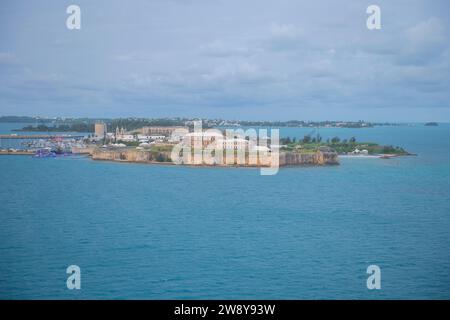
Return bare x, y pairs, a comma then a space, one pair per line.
377, 156
199, 166
169, 163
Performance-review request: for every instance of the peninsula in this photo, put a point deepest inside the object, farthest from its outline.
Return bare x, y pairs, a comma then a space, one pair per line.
156, 143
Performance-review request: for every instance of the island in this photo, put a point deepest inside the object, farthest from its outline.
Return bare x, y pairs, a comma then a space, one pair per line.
306, 151
155, 144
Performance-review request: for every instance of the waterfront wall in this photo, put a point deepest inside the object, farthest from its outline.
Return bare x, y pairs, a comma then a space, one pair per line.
84, 150
16, 152
130, 155
317, 158
147, 156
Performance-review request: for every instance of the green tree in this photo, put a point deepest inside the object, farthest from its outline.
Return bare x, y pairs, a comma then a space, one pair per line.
335, 140
160, 157
307, 139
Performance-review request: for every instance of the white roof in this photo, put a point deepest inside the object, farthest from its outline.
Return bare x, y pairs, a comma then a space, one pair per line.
204, 134
261, 148
235, 140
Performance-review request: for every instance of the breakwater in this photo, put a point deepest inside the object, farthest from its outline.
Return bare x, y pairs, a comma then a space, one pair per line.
39, 136
16, 152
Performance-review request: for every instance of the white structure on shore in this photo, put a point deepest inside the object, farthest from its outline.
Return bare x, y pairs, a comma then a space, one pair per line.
206, 138
360, 152
121, 135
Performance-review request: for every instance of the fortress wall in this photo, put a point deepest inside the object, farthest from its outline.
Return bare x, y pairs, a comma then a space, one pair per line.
285, 159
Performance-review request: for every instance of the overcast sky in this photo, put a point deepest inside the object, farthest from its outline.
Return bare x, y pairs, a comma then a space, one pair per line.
233, 59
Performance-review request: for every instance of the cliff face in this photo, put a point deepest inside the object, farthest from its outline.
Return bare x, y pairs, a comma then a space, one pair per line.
148, 156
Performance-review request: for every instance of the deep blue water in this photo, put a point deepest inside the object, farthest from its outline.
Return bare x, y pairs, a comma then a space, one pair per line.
160, 232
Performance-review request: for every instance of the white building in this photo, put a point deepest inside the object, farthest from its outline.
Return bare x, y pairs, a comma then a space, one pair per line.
235, 144
202, 138
126, 137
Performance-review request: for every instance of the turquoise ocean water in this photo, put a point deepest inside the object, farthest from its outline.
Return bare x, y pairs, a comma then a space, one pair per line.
163, 232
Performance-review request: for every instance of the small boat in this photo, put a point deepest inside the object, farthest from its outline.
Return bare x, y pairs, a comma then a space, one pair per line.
44, 153
388, 156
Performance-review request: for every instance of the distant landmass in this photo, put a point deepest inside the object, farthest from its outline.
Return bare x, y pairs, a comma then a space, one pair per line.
23, 119
431, 124
58, 124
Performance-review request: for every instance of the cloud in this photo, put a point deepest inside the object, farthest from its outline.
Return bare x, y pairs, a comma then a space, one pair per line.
284, 37
284, 58
427, 32
6, 58
425, 42
220, 48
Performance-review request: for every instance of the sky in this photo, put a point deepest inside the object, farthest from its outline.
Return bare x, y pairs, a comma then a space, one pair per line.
229, 59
